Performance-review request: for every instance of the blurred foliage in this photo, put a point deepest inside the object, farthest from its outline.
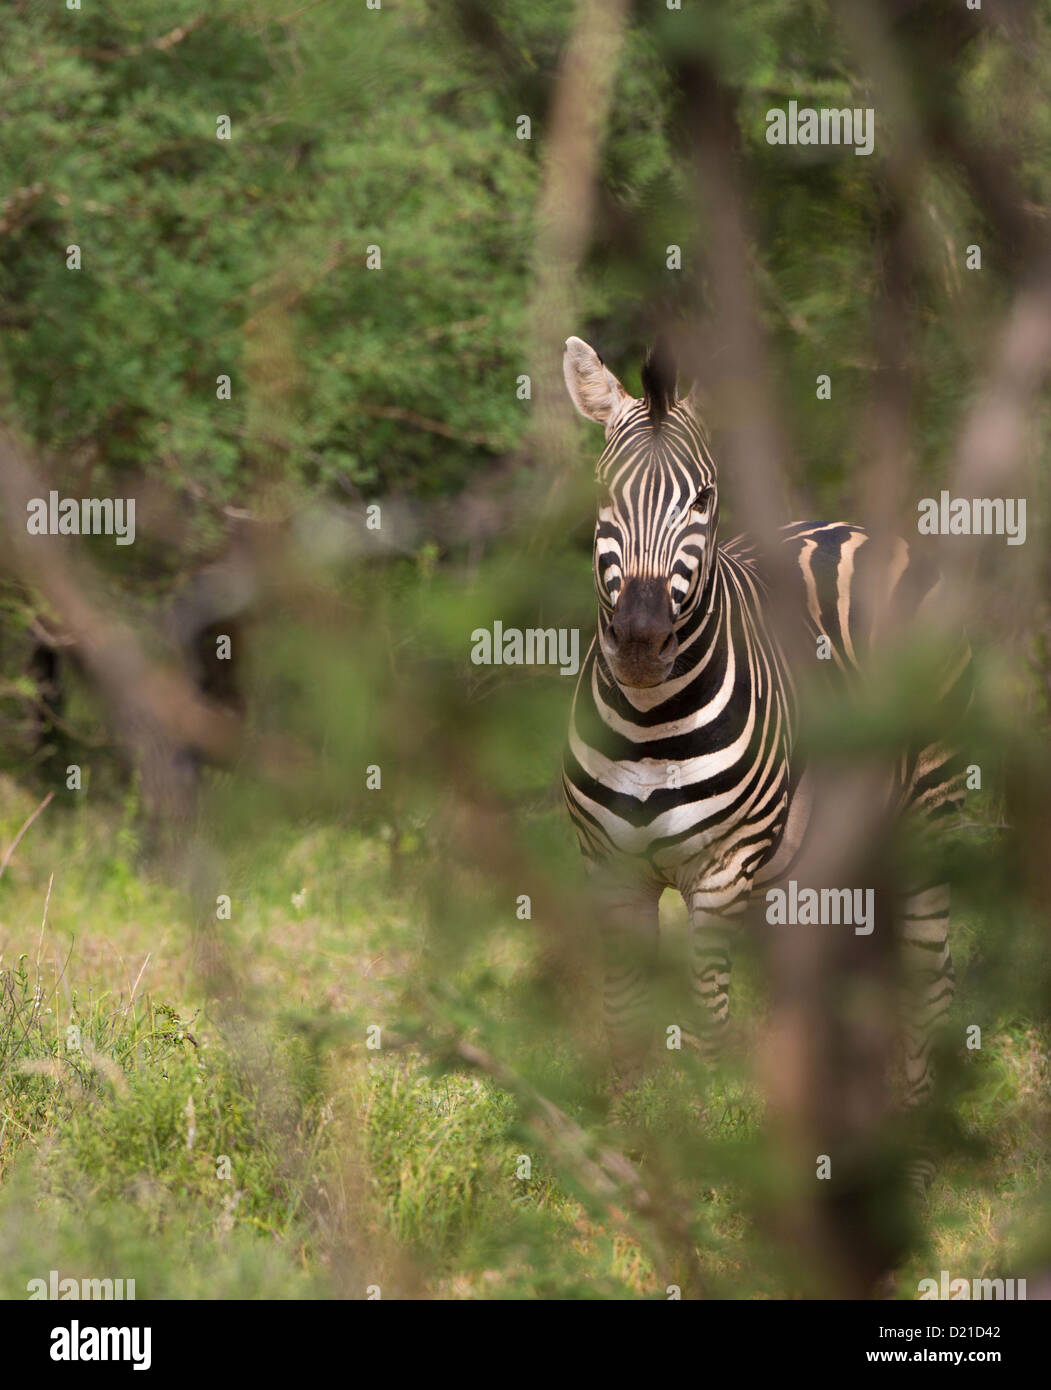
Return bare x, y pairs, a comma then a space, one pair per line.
350, 127
200, 257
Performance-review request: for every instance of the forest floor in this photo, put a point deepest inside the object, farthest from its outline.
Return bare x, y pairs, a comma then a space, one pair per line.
255, 1146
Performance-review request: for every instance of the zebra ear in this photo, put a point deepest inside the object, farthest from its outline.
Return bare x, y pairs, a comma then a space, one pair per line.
592, 387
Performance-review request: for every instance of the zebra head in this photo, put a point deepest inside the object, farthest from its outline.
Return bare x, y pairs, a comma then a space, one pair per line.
655, 532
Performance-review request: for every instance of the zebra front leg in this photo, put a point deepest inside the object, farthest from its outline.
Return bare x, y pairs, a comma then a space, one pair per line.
629, 926
929, 986
711, 934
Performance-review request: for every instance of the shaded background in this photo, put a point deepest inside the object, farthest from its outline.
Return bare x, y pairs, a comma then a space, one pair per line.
396, 907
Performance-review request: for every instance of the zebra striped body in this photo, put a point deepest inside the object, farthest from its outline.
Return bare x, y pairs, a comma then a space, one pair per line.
681, 768
691, 778
694, 781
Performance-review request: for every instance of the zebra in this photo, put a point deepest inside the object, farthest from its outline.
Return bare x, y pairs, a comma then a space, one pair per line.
686, 674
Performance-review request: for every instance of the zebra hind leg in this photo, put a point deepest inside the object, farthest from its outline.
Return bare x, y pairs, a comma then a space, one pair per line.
930, 983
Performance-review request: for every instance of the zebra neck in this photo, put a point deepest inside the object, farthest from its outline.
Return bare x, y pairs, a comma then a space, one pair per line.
709, 618
713, 596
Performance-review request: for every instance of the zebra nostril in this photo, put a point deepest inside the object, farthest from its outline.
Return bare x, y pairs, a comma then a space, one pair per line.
670, 646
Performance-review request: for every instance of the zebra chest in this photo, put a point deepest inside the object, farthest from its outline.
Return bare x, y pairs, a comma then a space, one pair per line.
679, 793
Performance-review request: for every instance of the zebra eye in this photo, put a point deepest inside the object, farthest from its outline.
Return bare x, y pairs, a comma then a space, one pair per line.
702, 501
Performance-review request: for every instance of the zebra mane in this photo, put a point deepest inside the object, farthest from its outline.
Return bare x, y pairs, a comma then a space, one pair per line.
659, 378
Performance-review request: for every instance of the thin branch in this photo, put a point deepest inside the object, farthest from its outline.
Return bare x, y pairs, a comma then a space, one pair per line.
164, 44
15, 842
609, 1178
564, 218
422, 422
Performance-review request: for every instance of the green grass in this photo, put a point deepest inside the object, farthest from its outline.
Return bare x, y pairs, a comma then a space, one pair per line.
255, 1146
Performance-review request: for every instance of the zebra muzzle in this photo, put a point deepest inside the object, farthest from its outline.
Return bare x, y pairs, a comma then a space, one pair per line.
639, 643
